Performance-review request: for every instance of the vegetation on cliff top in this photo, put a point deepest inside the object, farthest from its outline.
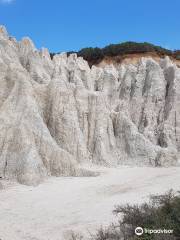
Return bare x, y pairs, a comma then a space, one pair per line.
95, 55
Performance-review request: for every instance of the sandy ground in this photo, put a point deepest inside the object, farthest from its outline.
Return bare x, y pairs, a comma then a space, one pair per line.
50, 210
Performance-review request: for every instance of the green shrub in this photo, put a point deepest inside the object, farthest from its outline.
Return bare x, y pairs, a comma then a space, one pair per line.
162, 212
91, 54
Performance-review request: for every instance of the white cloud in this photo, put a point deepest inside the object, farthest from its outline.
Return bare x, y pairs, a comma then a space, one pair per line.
6, 1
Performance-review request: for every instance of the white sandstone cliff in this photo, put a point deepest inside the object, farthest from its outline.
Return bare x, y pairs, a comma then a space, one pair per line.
56, 114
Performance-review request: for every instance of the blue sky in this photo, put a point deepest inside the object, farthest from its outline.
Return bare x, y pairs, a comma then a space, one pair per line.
64, 25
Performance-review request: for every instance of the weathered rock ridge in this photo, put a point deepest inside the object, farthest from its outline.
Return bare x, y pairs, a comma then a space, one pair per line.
57, 114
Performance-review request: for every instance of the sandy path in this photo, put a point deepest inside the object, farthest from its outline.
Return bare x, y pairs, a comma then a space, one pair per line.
49, 211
